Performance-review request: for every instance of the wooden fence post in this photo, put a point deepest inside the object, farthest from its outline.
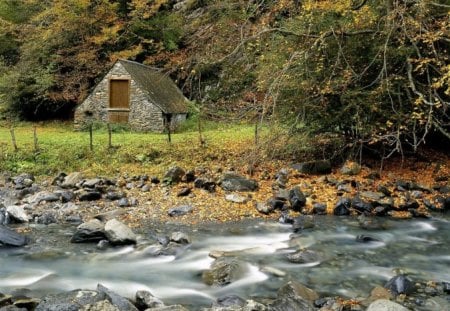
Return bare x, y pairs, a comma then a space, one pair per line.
91, 145
35, 139
109, 136
13, 139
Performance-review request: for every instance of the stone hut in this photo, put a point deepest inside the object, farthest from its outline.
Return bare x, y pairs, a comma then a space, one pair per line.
134, 94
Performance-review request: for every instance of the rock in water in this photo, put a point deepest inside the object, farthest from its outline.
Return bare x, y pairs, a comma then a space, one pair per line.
180, 238
303, 256
342, 208
116, 300
234, 182
91, 231
145, 300
385, 305
9, 237
400, 284
223, 271
118, 233
69, 301
292, 289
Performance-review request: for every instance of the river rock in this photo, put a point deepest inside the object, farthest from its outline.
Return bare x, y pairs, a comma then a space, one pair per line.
229, 301
361, 205
350, 168
46, 196
264, 208
319, 208
342, 207
206, 184
437, 303
303, 256
236, 198
400, 284
285, 218
91, 231
70, 301
145, 300
362, 238
114, 196
9, 237
103, 305
180, 210
292, 289
173, 175
184, 192
234, 182
66, 196
116, 300
297, 199
26, 303
223, 271
169, 308
118, 233
372, 196
71, 180
303, 222
91, 183
180, 238
123, 202
89, 196
4, 217
47, 218
385, 305
313, 167
17, 213
294, 296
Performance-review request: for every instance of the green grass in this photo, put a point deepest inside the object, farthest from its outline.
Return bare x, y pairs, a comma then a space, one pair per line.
61, 149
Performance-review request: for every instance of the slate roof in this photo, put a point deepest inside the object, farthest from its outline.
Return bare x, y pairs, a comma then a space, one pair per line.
162, 91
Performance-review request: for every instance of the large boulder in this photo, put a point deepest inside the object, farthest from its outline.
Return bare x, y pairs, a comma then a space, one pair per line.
116, 300
88, 232
69, 301
313, 167
9, 237
17, 213
294, 296
223, 271
385, 305
234, 182
118, 233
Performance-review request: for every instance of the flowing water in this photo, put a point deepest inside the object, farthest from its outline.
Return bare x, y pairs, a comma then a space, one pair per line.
346, 267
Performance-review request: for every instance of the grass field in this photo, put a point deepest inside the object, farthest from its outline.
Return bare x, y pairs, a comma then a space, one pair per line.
61, 149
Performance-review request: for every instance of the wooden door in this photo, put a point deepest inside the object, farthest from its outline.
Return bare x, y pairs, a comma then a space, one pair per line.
119, 101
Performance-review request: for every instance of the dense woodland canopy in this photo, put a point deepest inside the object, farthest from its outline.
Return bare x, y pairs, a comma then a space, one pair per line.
374, 71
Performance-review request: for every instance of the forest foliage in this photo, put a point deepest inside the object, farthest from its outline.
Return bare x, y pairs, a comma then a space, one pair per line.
374, 72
